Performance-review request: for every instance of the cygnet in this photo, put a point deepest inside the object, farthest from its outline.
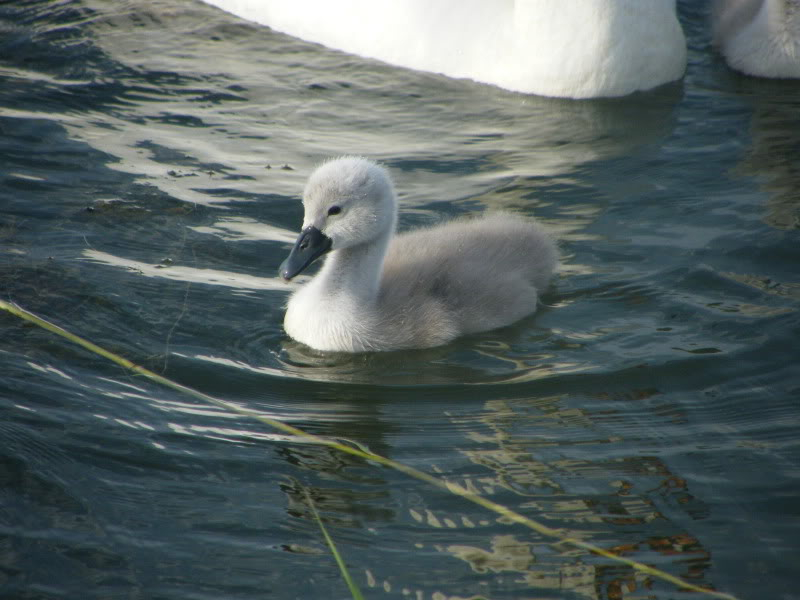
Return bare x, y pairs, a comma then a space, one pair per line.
377, 291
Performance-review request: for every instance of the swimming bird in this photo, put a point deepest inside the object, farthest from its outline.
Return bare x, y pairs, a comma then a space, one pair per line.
759, 37
562, 48
377, 291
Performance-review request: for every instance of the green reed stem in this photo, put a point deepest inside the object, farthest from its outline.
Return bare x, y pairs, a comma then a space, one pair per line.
351, 584
562, 536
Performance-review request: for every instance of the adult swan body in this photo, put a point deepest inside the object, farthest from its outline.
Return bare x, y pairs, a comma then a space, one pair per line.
563, 48
420, 289
759, 37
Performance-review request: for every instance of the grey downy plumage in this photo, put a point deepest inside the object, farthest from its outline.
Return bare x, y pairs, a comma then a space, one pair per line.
377, 291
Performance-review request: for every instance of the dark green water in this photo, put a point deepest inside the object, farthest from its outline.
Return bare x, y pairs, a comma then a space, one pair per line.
151, 160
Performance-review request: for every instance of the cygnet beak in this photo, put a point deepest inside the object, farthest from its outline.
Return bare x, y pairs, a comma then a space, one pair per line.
310, 245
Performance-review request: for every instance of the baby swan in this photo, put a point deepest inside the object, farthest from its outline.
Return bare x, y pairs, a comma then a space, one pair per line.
420, 289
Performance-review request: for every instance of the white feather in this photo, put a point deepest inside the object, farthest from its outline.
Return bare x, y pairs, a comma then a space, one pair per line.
759, 37
563, 48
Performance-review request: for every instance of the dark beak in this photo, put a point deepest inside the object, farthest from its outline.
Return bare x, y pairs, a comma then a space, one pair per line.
310, 245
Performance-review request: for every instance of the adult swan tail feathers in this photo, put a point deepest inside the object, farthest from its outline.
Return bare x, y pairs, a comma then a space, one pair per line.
377, 291
561, 48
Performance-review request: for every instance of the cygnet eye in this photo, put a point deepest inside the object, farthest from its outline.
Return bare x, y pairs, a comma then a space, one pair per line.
334, 210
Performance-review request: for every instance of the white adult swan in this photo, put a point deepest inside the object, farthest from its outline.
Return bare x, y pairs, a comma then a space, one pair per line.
417, 290
759, 37
564, 48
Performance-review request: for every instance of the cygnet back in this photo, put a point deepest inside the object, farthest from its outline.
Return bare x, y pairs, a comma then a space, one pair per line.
485, 272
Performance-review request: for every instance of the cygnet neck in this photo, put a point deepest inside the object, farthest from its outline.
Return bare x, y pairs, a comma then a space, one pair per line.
355, 271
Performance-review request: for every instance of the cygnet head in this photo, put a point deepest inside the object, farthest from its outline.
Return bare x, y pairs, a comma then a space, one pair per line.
348, 201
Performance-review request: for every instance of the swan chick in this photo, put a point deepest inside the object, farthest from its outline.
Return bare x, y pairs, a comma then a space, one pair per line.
378, 292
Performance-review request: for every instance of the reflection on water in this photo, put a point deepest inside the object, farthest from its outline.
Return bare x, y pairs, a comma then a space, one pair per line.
775, 133
167, 270
634, 497
468, 361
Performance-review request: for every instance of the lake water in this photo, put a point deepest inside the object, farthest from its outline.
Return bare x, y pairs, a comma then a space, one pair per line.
152, 155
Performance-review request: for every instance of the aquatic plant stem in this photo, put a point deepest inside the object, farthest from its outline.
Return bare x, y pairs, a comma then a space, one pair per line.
562, 536
351, 584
